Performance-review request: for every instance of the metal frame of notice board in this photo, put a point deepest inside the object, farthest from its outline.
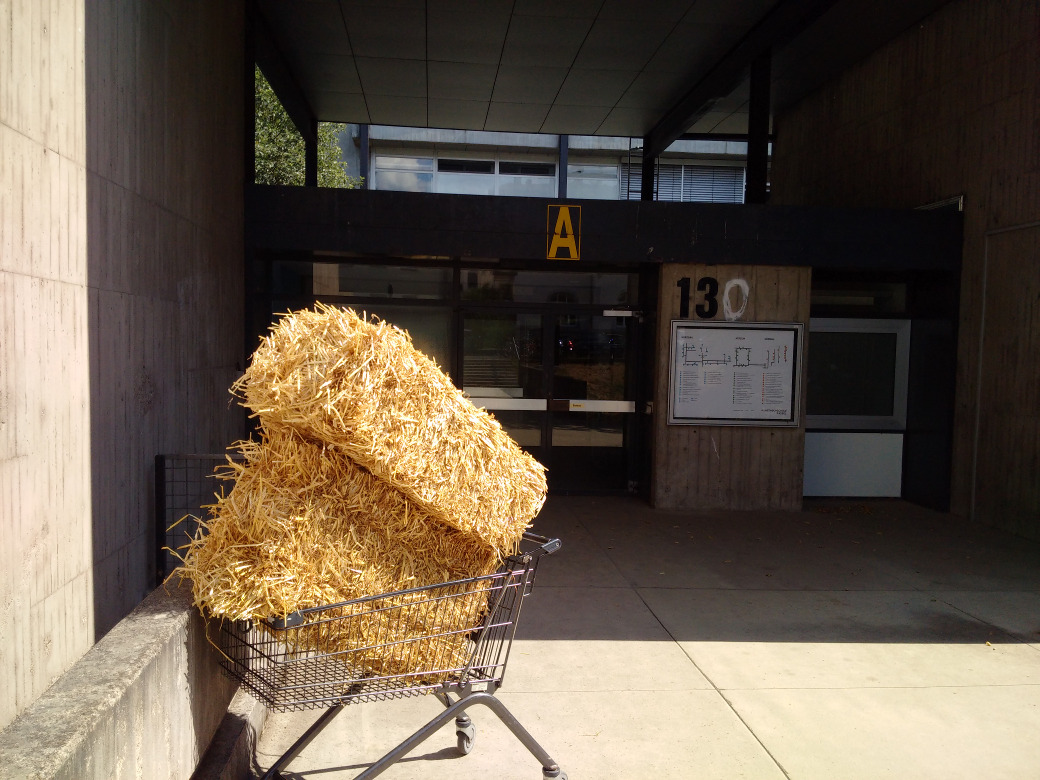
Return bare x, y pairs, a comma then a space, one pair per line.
735, 373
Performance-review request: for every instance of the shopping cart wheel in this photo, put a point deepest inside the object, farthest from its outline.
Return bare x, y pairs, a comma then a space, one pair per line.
465, 732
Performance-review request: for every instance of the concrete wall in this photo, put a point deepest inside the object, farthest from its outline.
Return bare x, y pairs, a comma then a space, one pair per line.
949, 108
120, 301
143, 702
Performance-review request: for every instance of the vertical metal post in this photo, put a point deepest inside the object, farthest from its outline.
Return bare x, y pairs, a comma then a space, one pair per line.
160, 518
646, 187
756, 189
310, 155
363, 156
561, 174
249, 67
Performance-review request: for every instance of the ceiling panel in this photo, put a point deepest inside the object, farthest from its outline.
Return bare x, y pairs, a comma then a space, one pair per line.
694, 47
320, 24
392, 77
735, 122
516, 117
457, 114
341, 107
653, 92
584, 119
456, 36
665, 11
739, 13
572, 9
618, 44
382, 31
332, 72
584, 87
622, 67
397, 110
531, 84
621, 121
544, 40
461, 81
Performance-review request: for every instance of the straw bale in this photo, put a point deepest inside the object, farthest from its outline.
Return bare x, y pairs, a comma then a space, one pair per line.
305, 526
362, 388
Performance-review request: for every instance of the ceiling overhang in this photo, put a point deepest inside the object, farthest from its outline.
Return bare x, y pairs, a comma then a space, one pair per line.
586, 67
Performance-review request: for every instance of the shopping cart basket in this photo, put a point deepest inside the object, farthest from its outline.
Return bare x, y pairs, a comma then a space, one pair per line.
451, 639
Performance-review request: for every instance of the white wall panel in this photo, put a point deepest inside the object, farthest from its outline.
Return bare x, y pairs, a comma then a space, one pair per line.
854, 464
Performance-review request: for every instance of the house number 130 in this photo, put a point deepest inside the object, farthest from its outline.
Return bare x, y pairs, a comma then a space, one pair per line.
709, 307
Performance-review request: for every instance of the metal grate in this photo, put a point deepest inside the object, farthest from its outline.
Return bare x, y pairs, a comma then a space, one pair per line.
449, 636
184, 484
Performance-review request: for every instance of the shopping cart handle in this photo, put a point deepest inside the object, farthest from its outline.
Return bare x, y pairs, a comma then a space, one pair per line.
291, 620
548, 546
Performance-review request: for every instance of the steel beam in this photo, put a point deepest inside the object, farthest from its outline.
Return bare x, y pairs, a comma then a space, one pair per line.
756, 190
279, 75
785, 20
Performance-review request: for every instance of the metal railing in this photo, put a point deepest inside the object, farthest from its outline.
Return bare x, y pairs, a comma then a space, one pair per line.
184, 486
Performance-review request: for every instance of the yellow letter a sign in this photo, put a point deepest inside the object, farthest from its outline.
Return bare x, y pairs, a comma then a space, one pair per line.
563, 233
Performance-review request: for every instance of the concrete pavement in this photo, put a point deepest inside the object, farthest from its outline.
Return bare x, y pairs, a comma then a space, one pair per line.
855, 639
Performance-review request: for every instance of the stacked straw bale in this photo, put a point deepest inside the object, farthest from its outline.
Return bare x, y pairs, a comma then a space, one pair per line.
362, 388
372, 474
305, 526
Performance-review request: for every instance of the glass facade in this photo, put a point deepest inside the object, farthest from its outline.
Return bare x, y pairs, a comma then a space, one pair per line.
702, 181
594, 182
356, 280
493, 284
463, 176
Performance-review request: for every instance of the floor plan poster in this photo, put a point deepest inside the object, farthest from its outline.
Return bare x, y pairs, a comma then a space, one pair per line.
734, 373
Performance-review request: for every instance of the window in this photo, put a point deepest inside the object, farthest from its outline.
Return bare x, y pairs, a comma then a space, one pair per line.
465, 166
404, 174
527, 179
712, 184
857, 374
526, 169
687, 183
675, 181
597, 182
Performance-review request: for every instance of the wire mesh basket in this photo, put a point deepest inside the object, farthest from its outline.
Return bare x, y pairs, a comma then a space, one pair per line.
184, 486
450, 639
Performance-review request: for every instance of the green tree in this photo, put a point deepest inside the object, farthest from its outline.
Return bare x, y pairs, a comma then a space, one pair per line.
280, 147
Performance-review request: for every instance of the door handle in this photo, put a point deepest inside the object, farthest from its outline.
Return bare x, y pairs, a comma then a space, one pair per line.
587, 405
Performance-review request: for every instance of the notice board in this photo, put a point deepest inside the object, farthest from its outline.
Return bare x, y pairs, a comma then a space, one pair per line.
734, 373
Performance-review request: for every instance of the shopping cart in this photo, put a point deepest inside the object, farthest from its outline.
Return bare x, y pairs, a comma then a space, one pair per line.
451, 639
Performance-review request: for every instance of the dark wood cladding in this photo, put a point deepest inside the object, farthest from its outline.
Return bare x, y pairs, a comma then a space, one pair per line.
403, 223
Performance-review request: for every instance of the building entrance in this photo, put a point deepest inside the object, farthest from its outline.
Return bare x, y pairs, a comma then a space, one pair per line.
550, 354
560, 384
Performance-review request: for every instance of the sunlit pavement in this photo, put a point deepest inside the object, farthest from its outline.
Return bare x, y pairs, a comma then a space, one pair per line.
854, 639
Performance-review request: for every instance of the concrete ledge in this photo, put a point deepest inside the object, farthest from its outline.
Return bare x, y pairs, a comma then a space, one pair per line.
144, 702
232, 753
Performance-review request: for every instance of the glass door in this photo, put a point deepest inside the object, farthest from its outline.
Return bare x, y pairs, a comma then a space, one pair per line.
503, 372
591, 410
560, 386
549, 353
